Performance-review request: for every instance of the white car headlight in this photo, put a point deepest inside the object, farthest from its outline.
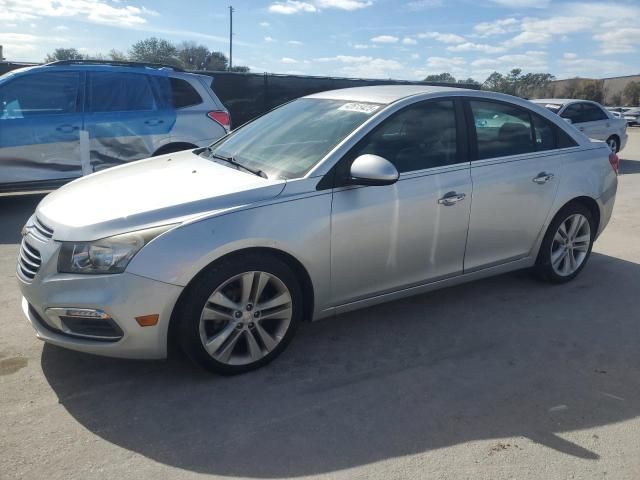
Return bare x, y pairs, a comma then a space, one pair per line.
108, 255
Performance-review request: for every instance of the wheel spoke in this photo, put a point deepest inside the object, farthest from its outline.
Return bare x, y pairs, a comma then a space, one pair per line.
268, 341
259, 282
219, 298
573, 227
212, 313
254, 349
566, 264
226, 352
557, 256
559, 238
213, 344
277, 301
573, 264
283, 312
246, 284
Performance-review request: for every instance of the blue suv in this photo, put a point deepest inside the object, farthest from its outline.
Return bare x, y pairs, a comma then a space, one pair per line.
66, 119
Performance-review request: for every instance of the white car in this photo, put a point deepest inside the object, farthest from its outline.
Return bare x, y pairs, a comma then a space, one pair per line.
590, 118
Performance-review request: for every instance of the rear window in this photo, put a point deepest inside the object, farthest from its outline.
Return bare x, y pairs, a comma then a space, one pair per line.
183, 94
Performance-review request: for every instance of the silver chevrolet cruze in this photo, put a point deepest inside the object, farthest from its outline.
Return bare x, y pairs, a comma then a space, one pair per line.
330, 203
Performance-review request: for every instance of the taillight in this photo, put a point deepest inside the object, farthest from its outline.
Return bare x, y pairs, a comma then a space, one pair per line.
221, 117
614, 161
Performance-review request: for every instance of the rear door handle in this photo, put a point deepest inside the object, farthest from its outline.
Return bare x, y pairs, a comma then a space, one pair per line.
451, 198
67, 128
542, 178
153, 122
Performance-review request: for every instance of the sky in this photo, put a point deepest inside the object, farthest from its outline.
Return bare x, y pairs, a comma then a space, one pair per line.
400, 39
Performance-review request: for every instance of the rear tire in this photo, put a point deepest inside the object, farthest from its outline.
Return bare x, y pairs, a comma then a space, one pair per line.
240, 313
567, 244
614, 143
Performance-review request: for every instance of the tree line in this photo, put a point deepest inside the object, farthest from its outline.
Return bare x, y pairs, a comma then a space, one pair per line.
540, 85
187, 55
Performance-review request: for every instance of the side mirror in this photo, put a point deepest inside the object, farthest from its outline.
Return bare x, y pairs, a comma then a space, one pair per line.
372, 170
568, 120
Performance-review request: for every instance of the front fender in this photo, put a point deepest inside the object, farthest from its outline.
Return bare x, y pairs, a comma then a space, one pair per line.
300, 228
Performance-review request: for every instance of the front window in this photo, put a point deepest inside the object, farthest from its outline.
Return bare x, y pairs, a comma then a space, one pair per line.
289, 141
50, 93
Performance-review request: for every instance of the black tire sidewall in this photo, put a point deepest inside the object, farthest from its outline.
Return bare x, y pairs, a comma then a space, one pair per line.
543, 264
205, 284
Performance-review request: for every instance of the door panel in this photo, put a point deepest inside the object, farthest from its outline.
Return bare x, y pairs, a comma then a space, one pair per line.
40, 128
508, 208
386, 238
515, 180
127, 120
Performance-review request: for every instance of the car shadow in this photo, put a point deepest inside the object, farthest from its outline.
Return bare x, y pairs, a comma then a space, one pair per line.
629, 166
503, 357
16, 210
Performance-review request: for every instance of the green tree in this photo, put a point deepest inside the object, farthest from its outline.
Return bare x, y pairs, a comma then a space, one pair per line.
198, 57
117, 55
494, 82
469, 81
64, 54
590, 90
631, 94
440, 78
239, 68
616, 99
155, 50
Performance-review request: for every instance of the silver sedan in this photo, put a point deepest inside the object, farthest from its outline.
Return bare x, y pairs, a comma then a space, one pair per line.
330, 203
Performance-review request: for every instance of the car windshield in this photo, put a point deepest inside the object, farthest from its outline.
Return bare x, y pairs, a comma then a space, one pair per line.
288, 141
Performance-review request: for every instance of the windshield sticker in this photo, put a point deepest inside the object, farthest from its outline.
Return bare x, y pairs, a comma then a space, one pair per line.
367, 108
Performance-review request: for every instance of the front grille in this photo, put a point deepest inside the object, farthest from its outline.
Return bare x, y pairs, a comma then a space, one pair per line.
41, 229
29, 261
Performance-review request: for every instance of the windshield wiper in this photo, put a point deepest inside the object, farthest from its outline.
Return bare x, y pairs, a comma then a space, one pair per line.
237, 164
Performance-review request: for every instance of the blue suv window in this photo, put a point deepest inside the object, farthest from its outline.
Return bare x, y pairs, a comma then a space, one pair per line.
120, 92
34, 94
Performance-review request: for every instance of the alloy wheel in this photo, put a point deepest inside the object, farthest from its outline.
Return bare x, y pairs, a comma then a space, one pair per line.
245, 318
613, 144
570, 245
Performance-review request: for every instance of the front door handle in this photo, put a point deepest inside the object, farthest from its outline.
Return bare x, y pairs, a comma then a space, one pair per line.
153, 122
451, 198
542, 178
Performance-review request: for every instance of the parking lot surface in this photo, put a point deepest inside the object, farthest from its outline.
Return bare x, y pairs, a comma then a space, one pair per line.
498, 379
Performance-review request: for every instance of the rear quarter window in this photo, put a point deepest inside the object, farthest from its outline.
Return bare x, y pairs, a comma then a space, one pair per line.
183, 94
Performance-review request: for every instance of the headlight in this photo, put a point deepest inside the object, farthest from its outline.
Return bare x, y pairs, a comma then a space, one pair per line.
108, 255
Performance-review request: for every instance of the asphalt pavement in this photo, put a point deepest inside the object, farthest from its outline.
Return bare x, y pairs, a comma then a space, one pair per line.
505, 378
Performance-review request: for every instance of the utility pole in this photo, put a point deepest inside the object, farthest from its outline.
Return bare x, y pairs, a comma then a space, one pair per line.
230, 37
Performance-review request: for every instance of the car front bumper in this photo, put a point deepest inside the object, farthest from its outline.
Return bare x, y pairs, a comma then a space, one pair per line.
120, 298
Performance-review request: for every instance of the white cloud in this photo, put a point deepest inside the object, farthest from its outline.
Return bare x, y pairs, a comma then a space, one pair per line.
344, 4
475, 47
497, 27
530, 61
523, 3
619, 40
265, 24
22, 44
569, 56
587, 66
527, 38
290, 7
445, 63
415, 56
96, 11
360, 46
423, 4
288, 60
269, 39
443, 37
409, 41
363, 66
296, 43
385, 39
61, 28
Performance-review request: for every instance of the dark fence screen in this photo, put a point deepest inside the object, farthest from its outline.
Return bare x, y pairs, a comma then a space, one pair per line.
248, 95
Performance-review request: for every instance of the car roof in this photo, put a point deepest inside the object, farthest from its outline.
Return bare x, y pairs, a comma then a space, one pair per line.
560, 101
147, 70
384, 94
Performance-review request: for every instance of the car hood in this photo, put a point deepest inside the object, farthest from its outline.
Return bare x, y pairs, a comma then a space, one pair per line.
158, 191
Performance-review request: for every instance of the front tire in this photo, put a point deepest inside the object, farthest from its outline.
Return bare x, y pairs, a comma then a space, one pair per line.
240, 313
566, 246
